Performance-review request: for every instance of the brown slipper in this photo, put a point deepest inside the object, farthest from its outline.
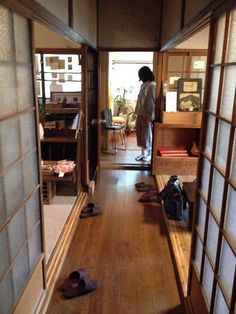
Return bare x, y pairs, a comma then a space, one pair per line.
73, 279
83, 286
146, 188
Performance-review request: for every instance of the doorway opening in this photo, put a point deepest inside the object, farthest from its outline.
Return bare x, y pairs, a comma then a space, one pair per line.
123, 89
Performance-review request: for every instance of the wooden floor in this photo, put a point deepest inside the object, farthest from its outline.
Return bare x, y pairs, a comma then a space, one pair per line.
124, 157
126, 250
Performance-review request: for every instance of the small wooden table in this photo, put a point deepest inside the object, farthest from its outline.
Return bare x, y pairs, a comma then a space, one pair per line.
189, 189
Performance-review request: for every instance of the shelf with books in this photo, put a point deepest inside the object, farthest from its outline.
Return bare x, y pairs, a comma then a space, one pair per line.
172, 152
172, 149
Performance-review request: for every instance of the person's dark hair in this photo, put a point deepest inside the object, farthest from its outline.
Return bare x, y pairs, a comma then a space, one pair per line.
145, 74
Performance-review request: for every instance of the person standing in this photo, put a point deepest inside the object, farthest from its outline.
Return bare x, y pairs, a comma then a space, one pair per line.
145, 110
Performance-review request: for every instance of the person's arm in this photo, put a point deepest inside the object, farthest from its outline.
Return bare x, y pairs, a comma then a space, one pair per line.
151, 101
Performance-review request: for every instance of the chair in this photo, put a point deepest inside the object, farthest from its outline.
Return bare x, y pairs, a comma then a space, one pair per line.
115, 128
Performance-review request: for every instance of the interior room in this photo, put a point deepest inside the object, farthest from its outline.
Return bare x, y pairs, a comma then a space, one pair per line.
58, 75
123, 88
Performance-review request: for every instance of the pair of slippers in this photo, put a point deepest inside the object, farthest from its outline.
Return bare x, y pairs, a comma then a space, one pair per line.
150, 196
77, 284
144, 187
143, 158
91, 209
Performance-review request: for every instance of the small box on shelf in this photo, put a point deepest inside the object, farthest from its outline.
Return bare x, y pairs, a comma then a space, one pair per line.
47, 167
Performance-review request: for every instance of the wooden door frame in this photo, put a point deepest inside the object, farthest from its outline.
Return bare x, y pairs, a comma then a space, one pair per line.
103, 94
85, 169
85, 101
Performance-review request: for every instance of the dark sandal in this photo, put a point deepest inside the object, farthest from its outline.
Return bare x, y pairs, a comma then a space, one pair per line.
73, 279
139, 184
82, 287
92, 209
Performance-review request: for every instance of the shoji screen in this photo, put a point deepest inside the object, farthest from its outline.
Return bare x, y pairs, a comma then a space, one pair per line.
213, 260
20, 226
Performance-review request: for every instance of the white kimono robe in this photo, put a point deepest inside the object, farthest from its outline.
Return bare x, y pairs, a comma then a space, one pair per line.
145, 110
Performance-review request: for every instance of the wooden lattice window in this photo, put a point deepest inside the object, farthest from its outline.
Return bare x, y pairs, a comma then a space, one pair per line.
20, 222
213, 256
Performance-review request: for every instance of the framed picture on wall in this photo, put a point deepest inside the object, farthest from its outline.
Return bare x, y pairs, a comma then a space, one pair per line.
68, 99
189, 94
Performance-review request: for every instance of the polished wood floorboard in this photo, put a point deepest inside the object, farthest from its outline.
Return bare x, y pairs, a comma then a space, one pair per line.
125, 249
124, 157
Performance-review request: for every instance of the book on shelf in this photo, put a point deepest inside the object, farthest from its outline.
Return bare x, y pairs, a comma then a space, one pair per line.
174, 155
172, 152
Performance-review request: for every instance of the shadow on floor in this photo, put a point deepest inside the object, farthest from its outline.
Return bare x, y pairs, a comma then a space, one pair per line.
152, 214
177, 310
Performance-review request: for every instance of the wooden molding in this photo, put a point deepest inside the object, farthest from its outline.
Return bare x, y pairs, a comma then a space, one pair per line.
70, 13
34, 292
110, 49
196, 297
85, 160
57, 50
182, 14
55, 264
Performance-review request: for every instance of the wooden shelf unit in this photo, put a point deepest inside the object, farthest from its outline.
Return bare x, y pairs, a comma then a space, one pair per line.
67, 177
174, 135
63, 147
62, 110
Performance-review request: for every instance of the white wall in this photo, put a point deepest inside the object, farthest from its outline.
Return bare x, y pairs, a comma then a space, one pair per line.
197, 41
56, 7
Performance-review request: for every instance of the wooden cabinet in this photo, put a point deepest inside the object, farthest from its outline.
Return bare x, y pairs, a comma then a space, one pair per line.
172, 135
61, 142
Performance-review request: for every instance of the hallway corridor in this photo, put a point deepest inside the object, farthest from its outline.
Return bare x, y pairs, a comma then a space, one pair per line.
125, 249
